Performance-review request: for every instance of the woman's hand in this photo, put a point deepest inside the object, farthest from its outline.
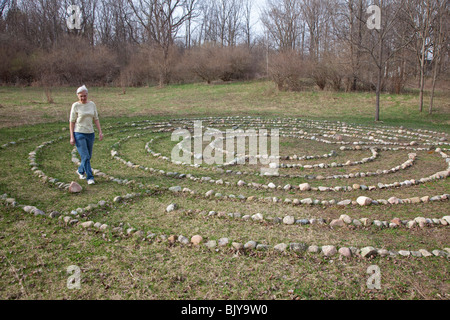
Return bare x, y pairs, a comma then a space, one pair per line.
72, 141
100, 136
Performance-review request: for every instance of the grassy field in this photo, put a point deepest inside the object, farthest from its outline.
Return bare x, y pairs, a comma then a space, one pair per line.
36, 251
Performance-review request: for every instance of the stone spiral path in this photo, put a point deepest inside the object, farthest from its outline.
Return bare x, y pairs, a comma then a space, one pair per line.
345, 138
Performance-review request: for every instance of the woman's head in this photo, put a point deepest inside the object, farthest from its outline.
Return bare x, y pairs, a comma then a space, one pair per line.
82, 93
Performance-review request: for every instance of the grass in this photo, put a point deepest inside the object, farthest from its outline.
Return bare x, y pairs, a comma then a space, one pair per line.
36, 251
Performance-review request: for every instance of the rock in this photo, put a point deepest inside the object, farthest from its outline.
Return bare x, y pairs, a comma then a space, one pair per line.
75, 187
396, 221
367, 252
262, 247
364, 201
54, 214
404, 253
313, 249
172, 238
438, 253
117, 199
425, 253
298, 247
223, 242
329, 251
171, 207
346, 252
411, 224
240, 183
289, 220
237, 245
394, 200
280, 247
258, 217
383, 252
365, 221
415, 200
357, 223
103, 227
130, 230
337, 223
182, 239
38, 212
345, 218
417, 254
175, 189
250, 245
211, 244
196, 240
446, 218
304, 187
87, 224
209, 193
271, 185
344, 202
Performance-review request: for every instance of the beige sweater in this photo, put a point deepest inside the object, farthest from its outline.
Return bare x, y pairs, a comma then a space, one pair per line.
83, 115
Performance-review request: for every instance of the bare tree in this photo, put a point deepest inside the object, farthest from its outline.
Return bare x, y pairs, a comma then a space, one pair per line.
420, 15
439, 38
162, 20
281, 21
381, 44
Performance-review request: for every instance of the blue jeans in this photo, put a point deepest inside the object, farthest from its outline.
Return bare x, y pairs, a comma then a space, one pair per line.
85, 143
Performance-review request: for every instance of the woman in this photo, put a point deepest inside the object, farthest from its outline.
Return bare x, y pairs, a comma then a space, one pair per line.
82, 133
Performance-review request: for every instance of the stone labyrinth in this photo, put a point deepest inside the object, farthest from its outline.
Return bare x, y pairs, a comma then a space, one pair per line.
323, 167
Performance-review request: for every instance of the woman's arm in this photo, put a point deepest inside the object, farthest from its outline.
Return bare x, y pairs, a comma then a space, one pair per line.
72, 128
100, 133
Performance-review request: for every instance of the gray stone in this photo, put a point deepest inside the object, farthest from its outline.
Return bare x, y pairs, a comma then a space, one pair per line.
237, 245
337, 223
182, 239
258, 217
223, 242
250, 245
404, 253
346, 252
87, 224
345, 218
280, 247
329, 251
171, 207
262, 247
211, 244
313, 249
368, 252
298, 247
175, 189
289, 220
364, 201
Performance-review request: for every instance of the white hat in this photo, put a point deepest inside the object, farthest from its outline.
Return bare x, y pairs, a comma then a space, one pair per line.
81, 89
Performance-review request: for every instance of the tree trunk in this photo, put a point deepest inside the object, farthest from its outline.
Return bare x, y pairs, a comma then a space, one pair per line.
422, 75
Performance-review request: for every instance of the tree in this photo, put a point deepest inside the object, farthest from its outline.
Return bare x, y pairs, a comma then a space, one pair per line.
420, 14
162, 20
439, 37
282, 21
382, 44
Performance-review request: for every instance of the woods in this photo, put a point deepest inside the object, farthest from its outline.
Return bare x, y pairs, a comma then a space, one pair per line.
158, 42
